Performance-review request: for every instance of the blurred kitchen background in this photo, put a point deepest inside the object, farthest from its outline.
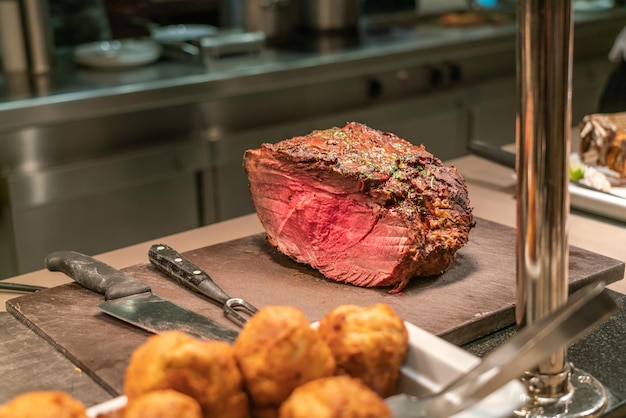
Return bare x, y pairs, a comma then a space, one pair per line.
126, 120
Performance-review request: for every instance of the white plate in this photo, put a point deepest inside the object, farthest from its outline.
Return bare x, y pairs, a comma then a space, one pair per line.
106, 407
118, 53
182, 33
611, 204
430, 364
601, 203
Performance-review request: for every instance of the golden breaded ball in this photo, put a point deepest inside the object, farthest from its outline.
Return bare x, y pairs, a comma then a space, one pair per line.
334, 397
205, 370
367, 342
277, 351
43, 404
165, 403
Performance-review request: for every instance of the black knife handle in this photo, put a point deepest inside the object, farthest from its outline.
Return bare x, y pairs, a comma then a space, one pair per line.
95, 275
178, 267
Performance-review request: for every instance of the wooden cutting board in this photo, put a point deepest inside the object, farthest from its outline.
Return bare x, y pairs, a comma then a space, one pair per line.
471, 299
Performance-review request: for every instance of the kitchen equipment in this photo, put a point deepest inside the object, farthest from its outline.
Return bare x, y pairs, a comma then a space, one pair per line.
39, 36
277, 18
181, 269
181, 33
132, 301
118, 53
527, 348
12, 39
231, 43
180, 41
474, 298
543, 141
329, 15
176, 32
489, 5
385, 12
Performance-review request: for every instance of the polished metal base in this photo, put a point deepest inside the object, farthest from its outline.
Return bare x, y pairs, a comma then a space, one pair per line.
586, 397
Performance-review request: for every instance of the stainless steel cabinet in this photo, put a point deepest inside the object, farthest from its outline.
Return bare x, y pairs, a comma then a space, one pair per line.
105, 203
491, 109
93, 184
491, 106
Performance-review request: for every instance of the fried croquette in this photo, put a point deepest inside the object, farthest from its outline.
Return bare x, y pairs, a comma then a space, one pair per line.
277, 351
205, 370
369, 343
165, 403
43, 404
334, 397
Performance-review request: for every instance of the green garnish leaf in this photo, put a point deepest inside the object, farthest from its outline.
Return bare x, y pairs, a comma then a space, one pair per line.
576, 171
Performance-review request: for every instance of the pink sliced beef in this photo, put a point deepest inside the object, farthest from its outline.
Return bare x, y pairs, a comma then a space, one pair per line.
361, 206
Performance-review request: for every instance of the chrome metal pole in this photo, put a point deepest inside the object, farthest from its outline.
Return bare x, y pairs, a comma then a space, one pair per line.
543, 149
545, 45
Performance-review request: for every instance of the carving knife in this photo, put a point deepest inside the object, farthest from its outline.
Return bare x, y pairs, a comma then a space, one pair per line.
132, 301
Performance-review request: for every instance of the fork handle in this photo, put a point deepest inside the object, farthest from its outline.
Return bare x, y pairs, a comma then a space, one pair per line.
181, 269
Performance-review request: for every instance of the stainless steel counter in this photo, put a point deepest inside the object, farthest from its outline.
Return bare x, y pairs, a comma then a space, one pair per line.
73, 92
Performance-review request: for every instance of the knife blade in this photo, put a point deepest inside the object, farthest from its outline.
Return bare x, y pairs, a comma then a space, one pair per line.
132, 301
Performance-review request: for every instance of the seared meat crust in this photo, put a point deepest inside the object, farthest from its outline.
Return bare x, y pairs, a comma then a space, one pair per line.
361, 206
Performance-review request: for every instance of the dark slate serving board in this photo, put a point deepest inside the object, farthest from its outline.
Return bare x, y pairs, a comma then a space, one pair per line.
29, 363
471, 299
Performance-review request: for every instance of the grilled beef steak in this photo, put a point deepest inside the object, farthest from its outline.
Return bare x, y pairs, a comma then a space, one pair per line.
361, 206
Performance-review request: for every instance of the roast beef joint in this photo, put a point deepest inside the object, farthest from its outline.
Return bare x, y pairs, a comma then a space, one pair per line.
361, 206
